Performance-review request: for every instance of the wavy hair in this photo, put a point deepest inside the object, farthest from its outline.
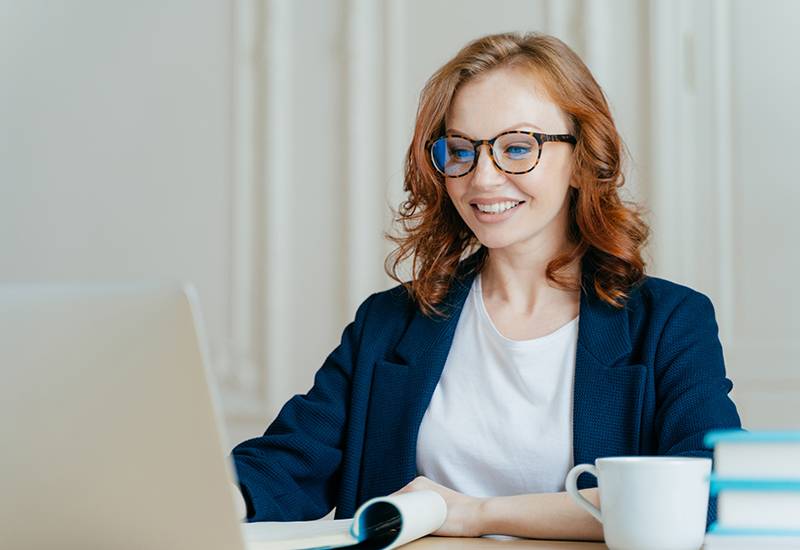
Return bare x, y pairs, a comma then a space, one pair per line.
606, 233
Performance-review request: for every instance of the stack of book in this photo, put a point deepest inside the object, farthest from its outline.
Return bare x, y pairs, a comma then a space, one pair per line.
756, 480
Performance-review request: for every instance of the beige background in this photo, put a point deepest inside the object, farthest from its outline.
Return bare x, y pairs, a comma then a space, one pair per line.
181, 140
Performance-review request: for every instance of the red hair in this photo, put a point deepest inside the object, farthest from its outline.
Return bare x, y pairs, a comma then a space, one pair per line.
607, 234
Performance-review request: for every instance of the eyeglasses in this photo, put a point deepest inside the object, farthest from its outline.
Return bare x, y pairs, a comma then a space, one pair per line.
513, 152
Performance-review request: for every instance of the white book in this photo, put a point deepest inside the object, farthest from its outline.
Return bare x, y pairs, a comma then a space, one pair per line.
755, 455
778, 510
750, 542
756, 479
384, 522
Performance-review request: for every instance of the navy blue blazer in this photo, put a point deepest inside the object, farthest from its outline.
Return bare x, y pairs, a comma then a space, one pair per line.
649, 380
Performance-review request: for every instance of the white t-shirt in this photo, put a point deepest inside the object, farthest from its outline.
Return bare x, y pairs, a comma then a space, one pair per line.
500, 419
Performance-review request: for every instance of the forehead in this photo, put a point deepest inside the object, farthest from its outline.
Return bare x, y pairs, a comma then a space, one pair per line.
503, 99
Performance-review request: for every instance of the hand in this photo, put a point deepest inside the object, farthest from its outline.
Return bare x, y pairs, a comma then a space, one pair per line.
463, 512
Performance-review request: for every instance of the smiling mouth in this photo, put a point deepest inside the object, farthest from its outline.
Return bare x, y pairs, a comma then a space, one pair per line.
496, 208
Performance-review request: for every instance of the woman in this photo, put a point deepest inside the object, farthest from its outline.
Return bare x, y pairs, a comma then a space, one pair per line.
529, 338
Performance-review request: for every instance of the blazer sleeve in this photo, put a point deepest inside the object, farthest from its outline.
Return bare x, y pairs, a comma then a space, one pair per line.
691, 384
291, 472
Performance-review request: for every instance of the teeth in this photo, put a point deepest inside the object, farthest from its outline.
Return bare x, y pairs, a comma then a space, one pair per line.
497, 207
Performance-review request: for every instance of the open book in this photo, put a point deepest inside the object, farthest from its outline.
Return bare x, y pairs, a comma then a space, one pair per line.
383, 522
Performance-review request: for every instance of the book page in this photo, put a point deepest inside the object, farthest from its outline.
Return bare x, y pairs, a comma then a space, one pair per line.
288, 535
386, 522
421, 513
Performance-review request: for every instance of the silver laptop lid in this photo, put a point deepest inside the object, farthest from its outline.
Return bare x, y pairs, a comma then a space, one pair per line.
107, 424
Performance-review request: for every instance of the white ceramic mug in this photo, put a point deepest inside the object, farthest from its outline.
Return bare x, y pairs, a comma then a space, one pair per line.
648, 502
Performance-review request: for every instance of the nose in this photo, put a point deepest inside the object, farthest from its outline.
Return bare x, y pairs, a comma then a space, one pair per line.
486, 174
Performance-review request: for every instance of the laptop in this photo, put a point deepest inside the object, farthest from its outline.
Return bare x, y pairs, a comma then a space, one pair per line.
108, 429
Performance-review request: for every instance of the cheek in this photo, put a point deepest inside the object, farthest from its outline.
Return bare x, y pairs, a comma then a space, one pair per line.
450, 188
533, 186
559, 169
455, 191
546, 186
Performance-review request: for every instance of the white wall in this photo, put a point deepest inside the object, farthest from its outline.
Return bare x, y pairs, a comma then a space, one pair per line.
765, 122
170, 140
115, 144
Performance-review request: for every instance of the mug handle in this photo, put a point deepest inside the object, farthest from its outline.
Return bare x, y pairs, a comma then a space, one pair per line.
572, 489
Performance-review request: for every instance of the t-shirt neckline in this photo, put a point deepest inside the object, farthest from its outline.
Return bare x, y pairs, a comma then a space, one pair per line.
541, 341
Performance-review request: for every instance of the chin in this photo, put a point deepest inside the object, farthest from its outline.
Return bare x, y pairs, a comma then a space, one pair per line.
505, 239
495, 241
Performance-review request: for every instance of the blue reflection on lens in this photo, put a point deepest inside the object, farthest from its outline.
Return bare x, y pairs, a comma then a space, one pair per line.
439, 153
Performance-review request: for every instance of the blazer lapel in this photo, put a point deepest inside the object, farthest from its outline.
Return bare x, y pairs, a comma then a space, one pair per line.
402, 389
608, 392
424, 349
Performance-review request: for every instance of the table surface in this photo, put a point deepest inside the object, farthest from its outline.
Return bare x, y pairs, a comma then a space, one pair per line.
444, 543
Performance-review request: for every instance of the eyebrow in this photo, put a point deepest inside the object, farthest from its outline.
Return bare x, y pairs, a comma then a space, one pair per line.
517, 126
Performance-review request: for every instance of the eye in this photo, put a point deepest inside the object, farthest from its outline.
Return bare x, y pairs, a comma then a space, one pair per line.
517, 151
461, 154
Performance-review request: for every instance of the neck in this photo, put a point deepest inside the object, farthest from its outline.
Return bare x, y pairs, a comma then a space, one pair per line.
518, 279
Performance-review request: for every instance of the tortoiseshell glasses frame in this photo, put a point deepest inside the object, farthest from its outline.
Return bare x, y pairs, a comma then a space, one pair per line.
476, 144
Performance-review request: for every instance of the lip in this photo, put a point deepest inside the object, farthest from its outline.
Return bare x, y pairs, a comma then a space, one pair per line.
493, 200
494, 218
